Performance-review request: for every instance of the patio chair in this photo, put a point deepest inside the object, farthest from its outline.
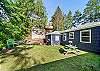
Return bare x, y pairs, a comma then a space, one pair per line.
10, 43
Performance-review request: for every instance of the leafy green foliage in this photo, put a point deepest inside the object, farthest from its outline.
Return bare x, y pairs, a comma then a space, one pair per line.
19, 24
1, 45
40, 10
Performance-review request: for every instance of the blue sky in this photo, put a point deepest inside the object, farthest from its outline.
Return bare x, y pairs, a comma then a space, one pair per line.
65, 6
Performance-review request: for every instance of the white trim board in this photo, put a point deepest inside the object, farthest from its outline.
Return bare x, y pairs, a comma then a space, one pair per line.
69, 35
89, 34
64, 36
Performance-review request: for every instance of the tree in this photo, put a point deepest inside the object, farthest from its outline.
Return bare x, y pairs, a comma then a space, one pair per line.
19, 11
3, 14
92, 10
58, 20
40, 10
77, 18
68, 20
19, 25
6, 27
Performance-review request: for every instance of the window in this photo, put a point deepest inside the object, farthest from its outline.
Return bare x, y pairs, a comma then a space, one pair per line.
71, 35
85, 36
64, 37
57, 38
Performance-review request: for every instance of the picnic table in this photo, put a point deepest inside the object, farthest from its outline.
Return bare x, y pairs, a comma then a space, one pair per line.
69, 49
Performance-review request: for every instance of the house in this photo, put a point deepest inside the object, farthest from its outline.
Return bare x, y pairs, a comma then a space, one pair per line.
67, 36
48, 28
53, 38
37, 37
85, 37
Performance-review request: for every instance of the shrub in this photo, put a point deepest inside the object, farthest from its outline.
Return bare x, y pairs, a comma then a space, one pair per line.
61, 50
1, 45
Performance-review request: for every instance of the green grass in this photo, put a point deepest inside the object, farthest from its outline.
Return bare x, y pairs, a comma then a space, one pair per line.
48, 58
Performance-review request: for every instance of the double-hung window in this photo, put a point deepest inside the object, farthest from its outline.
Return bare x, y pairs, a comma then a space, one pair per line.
64, 37
85, 36
71, 35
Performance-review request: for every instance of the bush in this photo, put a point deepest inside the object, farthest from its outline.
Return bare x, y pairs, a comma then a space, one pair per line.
61, 50
1, 45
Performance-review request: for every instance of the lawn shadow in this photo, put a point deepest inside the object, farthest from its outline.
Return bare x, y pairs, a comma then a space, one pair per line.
16, 51
84, 62
23, 59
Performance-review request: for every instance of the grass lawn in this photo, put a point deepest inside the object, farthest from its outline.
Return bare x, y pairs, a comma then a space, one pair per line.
48, 58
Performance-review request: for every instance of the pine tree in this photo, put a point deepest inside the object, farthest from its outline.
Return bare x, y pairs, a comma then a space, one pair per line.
40, 10
77, 18
68, 20
3, 14
58, 20
92, 11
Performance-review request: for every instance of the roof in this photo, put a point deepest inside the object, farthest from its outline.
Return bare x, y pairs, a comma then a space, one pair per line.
88, 25
49, 27
55, 32
83, 26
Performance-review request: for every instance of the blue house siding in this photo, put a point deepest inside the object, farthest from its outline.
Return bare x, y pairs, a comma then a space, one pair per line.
73, 40
61, 40
54, 42
94, 46
68, 39
55, 38
97, 35
76, 40
95, 40
64, 42
48, 39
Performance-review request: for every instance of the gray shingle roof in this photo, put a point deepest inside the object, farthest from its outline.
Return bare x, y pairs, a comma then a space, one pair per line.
88, 25
83, 26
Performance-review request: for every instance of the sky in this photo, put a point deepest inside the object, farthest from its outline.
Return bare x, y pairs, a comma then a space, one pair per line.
65, 6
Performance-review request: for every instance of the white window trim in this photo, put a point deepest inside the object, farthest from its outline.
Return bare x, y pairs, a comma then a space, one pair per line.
51, 40
85, 36
69, 35
64, 37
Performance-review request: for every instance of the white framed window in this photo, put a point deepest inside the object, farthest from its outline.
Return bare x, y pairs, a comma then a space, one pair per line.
85, 36
64, 37
71, 35
57, 38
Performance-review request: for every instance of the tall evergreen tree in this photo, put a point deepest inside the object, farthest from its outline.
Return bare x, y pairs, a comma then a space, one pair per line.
58, 20
3, 14
92, 10
40, 10
77, 18
68, 20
